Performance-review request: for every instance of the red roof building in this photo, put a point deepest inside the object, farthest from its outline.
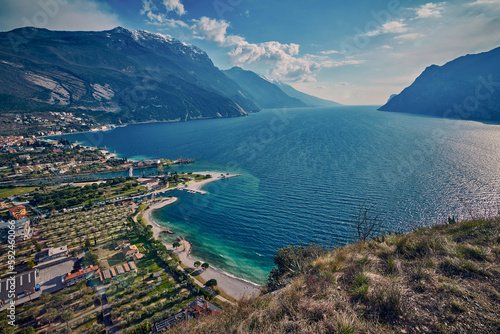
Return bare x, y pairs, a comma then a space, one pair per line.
80, 275
18, 212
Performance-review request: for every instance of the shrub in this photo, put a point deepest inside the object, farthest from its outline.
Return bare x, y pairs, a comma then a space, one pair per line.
290, 262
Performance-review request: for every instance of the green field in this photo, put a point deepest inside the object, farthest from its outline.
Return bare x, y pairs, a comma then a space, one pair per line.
6, 192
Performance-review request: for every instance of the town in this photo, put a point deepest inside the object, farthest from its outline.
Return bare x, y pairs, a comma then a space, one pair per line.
76, 254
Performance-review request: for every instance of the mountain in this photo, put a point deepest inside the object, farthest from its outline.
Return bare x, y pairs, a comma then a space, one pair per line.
266, 94
310, 100
118, 75
465, 88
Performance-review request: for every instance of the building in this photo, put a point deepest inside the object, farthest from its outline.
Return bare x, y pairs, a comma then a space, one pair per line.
150, 183
82, 274
196, 308
51, 254
18, 212
120, 244
3, 205
22, 229
129, 252
201, 307
24, 285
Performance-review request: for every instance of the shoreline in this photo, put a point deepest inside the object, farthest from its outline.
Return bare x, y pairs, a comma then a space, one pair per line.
233, 286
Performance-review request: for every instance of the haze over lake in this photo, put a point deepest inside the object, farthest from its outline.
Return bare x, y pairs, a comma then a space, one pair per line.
306, 171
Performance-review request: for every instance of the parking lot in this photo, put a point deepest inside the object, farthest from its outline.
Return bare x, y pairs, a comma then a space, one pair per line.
50, 278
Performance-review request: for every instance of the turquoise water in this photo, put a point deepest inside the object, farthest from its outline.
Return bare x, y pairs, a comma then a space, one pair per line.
306, 171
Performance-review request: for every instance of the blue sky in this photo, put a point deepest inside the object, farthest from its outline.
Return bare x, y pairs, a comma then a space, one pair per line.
353, 52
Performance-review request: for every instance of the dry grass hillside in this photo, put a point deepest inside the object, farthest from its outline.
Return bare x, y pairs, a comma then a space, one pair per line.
442, 279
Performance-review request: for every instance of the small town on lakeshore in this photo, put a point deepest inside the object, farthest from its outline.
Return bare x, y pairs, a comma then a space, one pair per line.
82, 258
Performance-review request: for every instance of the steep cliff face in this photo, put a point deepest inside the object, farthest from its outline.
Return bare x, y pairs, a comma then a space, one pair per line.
465, 88
120, 74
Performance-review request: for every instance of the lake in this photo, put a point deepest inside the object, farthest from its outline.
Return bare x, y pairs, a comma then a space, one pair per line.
305, 173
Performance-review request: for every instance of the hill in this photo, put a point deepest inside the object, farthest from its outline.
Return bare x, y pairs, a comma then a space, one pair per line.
440, 279
465, 88
118, 75
310, 100
265, 93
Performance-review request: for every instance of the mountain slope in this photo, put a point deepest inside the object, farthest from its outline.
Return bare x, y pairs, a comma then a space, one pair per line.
440, 279
118, 74
465, 88
310, 100
266, 94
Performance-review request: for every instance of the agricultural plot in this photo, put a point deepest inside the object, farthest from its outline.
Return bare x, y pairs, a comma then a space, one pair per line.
98, 226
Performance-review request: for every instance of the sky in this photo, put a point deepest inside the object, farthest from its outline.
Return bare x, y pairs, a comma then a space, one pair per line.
355, 52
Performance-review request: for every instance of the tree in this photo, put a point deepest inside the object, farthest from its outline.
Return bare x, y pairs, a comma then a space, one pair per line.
28, 330
91, 258
176, 244
34, 312
45, 298
211, 282
66, 316
50, 315
87, 300
367, 223
205, 265
60, 300
197, 264
31, 263
5, 327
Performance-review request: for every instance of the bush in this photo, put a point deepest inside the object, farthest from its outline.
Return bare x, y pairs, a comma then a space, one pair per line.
290, 262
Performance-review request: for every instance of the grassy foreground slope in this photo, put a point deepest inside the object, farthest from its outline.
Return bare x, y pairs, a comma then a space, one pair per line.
442, 279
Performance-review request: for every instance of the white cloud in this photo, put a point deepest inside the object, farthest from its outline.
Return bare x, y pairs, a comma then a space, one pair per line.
174, 6
411, 36
70, 15
485, 2
392, 27
429, 10
211, 30
329, 52
281, 59
157, 17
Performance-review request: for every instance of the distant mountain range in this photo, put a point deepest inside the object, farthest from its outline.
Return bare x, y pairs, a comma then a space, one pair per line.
123, 76
266, 94
271, 93
465, 88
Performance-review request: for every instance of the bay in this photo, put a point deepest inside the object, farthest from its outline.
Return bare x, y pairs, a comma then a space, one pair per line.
305, 172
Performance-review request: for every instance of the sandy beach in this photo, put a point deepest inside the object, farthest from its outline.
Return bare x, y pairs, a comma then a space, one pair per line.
230, 285
157, 229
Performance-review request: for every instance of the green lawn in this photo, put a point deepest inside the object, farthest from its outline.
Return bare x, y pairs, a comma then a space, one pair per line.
6, 192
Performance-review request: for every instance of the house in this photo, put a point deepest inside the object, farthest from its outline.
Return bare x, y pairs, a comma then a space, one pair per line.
129, 252
20, 286
18, 212
138, 256
21, 227
196, 308
120, 244
150, 183
201, 307
80, 275
51, 254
